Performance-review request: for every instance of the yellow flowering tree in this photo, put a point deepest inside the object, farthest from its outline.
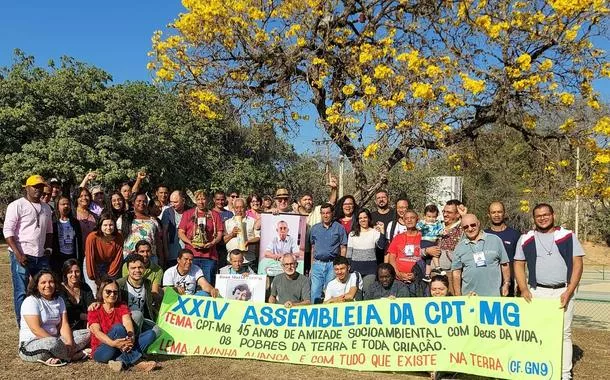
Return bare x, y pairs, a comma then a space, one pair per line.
387, 79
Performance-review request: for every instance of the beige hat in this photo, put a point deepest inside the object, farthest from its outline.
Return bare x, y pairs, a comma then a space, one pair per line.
282, 193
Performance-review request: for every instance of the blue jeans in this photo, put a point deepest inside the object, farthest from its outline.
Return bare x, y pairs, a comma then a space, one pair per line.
208, 267
21, 277
321, 274
104, 353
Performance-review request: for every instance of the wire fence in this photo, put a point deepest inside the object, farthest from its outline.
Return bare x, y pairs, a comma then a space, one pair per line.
592, 314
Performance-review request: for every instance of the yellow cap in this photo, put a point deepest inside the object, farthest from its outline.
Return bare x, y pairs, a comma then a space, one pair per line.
34, 180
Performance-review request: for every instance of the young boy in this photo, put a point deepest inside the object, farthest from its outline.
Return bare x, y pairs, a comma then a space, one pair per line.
431, 229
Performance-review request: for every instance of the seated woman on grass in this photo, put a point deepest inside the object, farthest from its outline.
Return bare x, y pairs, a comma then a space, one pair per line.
45, 335
113, 337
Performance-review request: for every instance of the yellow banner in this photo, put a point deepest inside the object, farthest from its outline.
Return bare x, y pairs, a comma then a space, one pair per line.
488, 336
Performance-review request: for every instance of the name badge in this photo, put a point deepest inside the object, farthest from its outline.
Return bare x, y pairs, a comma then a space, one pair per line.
479, 259
409, 250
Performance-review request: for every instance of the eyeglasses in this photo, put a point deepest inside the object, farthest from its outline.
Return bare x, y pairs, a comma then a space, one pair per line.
288, 265
471, 225
541, 216
111, 292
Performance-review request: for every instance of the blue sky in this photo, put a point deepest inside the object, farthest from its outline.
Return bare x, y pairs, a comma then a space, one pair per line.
113, 35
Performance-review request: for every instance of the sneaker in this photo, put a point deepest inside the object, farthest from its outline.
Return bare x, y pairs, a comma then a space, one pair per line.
115, 365
427, 278
145, 366
437, 270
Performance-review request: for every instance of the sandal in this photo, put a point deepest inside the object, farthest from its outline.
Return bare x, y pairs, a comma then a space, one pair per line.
52, 362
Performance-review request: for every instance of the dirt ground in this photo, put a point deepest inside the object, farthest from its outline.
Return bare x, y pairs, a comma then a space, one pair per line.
591, 354
596, 253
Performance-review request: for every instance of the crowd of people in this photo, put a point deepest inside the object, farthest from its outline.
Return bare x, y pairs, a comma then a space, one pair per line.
90, 271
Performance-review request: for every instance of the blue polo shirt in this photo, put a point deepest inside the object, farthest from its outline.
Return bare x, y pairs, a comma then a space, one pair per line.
509, 238
327, 240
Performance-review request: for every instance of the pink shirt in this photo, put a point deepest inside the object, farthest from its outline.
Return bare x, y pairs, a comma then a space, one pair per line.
29, 223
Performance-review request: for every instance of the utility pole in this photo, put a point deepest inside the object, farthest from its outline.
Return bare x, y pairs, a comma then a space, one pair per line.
326, 143
576, 216
341, 164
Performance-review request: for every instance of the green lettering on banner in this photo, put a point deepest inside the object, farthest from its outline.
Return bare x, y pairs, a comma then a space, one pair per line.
486, 336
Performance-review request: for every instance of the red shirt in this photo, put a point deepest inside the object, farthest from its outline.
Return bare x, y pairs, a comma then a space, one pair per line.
407, 251
213, 224
347, 224
105, 320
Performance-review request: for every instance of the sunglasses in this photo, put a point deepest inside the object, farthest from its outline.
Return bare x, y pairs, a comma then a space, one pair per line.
232, 196
46, 194
111, 292
471, 225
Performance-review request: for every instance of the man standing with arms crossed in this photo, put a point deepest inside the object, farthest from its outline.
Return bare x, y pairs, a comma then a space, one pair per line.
28, 230
553, 256
509, 237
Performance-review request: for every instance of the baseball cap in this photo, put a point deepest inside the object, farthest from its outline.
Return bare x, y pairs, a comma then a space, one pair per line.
282, 193
54, 180
34, 180
96, 189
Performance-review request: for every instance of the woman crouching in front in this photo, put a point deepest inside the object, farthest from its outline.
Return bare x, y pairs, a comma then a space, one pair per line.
113, 339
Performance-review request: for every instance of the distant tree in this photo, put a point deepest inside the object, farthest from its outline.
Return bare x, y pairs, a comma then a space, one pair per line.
66, 120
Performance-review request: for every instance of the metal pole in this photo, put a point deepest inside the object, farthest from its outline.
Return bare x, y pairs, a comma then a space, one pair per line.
341, 176
577, 190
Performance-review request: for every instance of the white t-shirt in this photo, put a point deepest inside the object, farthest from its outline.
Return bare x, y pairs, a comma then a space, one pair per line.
136, 297
50, 316
400, 228
336, 288
66, 236
171, 277
251, 232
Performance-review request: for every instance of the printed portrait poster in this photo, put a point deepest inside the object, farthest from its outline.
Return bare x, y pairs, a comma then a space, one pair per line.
281, 234
238, 287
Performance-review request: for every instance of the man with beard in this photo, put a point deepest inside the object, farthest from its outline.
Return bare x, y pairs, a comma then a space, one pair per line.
290, 288
382, 217
553, 256
509, 237
28, 230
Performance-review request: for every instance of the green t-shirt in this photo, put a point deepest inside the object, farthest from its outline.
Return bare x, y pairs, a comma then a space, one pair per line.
154, 273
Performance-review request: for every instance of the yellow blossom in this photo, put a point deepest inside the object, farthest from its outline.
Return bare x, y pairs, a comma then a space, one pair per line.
381, 126
546, 65
422, 91
433, 71
564, 163
524, 61
566, 98
524, 205
472, 85
453, 100
358, 105
483, 22
568, 125
318, 61
572, 33
603, 126
407, 165
371, 151
602, 157
370, 90
348, 89
383, 72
